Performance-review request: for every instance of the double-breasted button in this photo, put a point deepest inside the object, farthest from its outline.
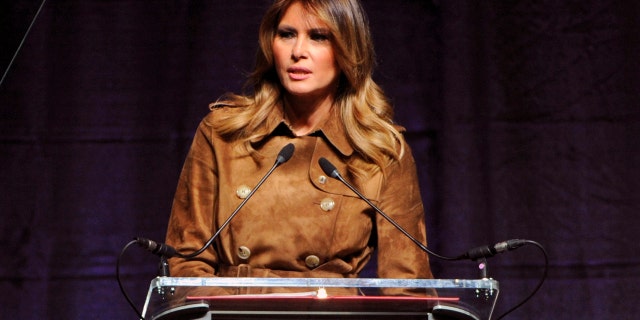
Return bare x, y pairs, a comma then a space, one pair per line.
244, 253
322, 179
243, 191
312, 261
327, 204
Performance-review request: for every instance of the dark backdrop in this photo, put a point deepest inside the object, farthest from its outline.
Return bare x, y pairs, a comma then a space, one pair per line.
523, 116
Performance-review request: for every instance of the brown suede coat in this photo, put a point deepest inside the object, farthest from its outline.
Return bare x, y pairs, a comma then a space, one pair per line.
289, 221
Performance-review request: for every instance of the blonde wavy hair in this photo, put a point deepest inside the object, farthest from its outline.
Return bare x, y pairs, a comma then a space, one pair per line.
363, 108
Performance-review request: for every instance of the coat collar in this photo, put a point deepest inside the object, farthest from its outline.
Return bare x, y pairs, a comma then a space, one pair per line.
332, 130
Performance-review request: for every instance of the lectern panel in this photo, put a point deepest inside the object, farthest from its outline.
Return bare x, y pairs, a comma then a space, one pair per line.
319, 298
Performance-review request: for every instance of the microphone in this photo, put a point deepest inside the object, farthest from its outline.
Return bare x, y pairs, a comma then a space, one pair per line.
490, 251
330, 170
167, 251
160, 249
473, 254
284, 155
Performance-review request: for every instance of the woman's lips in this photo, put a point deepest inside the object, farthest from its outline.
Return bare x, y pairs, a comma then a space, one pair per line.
298, 73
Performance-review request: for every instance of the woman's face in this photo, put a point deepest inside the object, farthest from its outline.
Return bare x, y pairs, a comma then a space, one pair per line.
303, 53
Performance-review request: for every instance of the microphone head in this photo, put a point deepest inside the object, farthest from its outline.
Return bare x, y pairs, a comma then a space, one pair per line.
328, 168
159, 249
285, 154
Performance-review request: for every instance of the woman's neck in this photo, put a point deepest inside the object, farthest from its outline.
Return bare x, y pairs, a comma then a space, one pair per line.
304, 115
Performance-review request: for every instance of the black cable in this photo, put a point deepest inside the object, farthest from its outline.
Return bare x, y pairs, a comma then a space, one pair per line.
126, 296
22, 42
544, 276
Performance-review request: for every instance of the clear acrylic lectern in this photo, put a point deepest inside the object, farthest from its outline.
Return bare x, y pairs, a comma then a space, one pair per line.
312, 298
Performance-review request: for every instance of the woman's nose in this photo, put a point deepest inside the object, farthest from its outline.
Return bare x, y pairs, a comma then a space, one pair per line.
299, 49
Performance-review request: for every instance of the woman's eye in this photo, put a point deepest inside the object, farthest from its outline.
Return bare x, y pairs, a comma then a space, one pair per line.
319, 36
285, 34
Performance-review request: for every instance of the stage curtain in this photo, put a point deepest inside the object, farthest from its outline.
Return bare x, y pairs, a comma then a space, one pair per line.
524, 119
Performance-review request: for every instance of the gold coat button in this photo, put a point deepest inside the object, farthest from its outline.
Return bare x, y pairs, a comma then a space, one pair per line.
244, 253
243, 191
327, 204
312, 261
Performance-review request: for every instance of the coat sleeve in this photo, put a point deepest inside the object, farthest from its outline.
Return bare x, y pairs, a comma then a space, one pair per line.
400, 198
192, 214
